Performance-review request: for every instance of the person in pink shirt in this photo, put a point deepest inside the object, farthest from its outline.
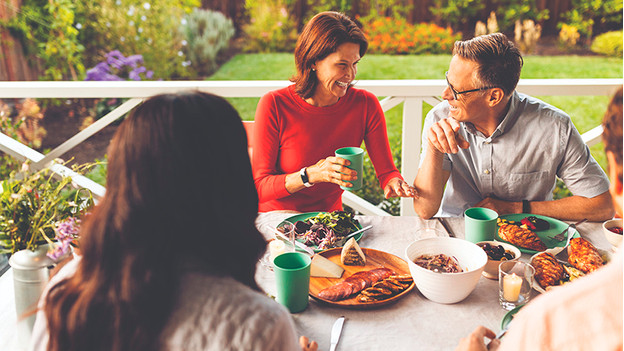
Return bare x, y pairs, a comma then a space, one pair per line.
298, 128
585, 314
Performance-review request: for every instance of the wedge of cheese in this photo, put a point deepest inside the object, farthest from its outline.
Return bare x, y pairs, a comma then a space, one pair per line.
322, 267
352, 255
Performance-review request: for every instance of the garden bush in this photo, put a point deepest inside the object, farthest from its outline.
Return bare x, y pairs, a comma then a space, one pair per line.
586, 16
207, 33
396, 36
45, 29
271, 29
609, 44
463, 14
150, 29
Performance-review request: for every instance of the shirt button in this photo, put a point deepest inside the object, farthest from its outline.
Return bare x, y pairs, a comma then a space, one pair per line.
487, 171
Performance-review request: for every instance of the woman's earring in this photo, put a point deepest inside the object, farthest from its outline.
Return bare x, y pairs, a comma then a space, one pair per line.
313, 69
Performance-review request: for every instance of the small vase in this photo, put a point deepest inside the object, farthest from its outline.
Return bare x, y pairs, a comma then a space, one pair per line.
30, 276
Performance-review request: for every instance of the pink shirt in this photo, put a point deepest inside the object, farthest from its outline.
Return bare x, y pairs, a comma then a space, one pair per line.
291, 134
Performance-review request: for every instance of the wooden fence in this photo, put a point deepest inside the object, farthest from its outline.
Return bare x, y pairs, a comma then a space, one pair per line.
13, 62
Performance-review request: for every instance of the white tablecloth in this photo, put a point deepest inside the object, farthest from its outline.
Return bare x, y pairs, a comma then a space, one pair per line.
414, 322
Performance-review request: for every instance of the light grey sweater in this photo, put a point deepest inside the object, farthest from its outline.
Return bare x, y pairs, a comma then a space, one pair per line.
211, 313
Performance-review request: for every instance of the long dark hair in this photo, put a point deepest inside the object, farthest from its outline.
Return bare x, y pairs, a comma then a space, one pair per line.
321, 36
179, 190
612, 130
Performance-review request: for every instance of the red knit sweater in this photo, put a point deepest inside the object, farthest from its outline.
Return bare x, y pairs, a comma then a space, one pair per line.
291, 134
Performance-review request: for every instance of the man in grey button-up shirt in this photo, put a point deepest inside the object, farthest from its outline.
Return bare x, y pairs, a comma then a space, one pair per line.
496, 148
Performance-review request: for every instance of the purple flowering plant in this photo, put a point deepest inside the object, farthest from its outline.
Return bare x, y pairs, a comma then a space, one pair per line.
66, 232
118, 67
41, 207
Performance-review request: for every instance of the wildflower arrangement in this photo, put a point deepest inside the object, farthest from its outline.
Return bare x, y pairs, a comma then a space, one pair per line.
388, 35
118, 67
36, 208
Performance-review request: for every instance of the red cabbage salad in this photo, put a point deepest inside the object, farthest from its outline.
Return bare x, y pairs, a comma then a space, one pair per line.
326, 229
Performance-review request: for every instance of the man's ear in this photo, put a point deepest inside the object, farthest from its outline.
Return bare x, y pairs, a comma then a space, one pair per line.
496, 96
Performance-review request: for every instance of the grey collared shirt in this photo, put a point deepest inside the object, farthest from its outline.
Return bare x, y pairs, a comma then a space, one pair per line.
533, 145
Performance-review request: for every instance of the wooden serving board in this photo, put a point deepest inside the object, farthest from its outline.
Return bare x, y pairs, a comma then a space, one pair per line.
374, 259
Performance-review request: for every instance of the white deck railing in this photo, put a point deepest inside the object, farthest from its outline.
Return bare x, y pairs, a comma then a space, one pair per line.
412, 93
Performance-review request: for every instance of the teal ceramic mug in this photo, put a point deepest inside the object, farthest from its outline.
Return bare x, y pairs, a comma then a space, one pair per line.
355, 156
480, 224
292, 279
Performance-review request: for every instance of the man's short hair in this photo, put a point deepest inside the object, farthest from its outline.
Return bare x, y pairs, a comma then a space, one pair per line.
499, 60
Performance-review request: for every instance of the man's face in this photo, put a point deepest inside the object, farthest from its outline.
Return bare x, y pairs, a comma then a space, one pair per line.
467, 107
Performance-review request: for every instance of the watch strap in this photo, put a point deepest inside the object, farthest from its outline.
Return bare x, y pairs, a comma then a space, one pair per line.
526, 206
304, 177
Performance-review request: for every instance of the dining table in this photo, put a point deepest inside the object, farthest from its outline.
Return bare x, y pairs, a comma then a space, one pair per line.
410, 323
413, 322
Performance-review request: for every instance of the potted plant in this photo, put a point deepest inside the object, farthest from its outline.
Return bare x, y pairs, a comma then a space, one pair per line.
35, 205
39, 218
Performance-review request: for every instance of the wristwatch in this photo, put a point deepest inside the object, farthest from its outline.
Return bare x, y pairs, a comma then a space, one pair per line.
526, 206
304, 177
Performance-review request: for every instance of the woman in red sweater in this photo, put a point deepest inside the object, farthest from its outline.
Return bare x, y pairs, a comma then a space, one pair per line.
298, 128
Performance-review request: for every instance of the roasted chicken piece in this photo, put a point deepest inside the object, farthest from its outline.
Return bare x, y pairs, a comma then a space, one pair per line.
583, 255
548, 271
521, 237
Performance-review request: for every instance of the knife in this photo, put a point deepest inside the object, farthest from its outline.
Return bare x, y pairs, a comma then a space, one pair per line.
335, 333
448, 230
351, 235
302, 246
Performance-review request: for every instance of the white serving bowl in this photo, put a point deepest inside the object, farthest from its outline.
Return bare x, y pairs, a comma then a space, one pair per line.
491, 267
446, 287
614, 238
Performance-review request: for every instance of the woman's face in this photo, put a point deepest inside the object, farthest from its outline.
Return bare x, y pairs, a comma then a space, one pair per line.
334, 73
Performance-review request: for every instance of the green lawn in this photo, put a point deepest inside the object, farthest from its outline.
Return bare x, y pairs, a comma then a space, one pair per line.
586, 112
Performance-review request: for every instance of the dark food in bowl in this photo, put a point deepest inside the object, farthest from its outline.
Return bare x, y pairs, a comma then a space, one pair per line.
497, 252
616, 230
440, 263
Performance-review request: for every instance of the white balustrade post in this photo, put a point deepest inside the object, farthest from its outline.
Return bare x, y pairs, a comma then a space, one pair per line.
410, 151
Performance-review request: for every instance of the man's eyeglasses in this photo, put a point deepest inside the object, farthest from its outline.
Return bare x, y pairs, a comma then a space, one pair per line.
456, 93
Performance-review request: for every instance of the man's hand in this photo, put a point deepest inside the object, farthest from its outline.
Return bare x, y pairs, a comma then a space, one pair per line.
476, 342
443, 136
500, 206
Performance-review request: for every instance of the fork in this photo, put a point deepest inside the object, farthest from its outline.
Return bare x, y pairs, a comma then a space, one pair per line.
561, 236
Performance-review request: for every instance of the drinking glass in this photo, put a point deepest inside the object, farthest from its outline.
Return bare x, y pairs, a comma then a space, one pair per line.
288, 230
514, 283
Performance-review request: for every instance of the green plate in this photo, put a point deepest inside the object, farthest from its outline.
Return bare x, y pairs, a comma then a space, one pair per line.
556, 227
509, 316
304, 216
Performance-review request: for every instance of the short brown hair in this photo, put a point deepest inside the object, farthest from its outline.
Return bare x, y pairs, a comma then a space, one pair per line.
612, 130
320, 37
499, 60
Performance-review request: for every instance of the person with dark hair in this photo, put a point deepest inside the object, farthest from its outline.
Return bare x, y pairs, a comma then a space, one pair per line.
489, 146
298, 128
169, 254
612, 139
585, 314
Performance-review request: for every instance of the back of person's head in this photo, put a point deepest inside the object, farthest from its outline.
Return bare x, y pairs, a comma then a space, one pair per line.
179, 193
499, 60
612, 139
320, 37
